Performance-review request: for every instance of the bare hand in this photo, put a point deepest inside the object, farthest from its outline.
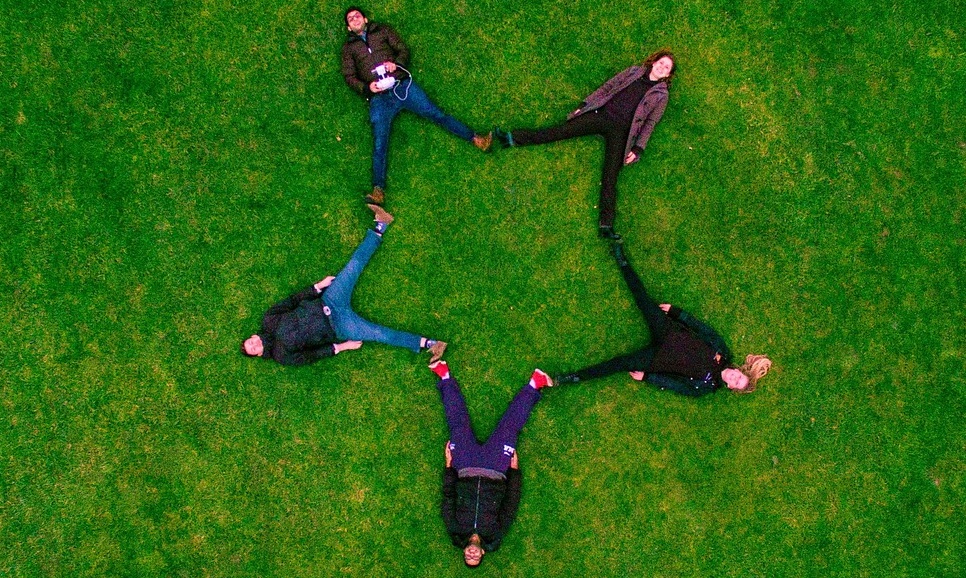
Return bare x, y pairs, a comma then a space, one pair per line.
347, 345
390, 66
637, 375
515, 460
576, 112
665, 307
324, 283
374, 88
449, 456
631, 157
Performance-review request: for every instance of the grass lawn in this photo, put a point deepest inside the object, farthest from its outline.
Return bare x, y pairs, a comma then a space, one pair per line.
169, 169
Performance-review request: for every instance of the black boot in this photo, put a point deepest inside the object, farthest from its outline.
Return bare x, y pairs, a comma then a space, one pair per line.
565, 379
607, 232
618, 250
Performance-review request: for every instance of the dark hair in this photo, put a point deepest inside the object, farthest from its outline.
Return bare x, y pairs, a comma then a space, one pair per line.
659, 55
345, 16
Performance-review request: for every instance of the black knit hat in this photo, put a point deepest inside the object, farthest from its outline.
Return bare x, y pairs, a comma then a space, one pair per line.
345, 17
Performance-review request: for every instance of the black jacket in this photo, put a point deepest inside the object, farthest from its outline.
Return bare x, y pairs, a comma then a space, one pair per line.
692, 334
297, 331
480, 506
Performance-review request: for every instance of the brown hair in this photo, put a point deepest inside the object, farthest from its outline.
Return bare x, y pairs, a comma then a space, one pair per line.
659, 55
755, 368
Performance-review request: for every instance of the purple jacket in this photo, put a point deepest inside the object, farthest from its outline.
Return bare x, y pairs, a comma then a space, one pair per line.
647, 115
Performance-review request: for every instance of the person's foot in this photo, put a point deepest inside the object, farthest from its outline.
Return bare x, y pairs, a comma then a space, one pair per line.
440, 368
436, 351
566, 379
618, 250
376, 197
607, 232
483, 142
380, 214
503, 137
540, 379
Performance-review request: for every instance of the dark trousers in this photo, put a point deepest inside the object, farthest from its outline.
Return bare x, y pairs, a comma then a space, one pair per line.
658, 323
615, 140
495, 453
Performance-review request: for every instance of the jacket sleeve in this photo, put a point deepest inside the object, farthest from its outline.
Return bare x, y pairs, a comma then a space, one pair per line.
349, 72
653, 117
511, 503
448, 505
702, 330
308, 356
679, 384
270, 320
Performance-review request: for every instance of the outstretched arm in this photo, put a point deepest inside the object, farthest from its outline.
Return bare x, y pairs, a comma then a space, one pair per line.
678, 384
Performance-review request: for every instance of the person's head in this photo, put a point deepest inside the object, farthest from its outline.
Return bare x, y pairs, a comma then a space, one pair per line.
662, 65
253, 346
473, 552
355, 19
744, 379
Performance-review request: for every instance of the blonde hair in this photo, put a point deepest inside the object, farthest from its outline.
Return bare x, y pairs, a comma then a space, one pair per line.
755, 368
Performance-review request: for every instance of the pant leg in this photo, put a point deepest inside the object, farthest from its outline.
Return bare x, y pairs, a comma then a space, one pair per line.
583, 125
382, 110
463, 444
502, 443
349, 325
615, 141
339, 293
658, 323
419, 103
639, 360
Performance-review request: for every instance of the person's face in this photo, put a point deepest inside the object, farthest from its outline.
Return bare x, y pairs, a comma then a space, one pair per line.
473, 553
253, 346
356, 21
661, 68
734, 379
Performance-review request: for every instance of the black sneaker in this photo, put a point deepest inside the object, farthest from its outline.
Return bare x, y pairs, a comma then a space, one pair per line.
607, 232
618, 250
566, 379
503, 137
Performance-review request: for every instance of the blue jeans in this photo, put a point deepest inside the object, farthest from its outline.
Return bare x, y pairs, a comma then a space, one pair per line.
497, 451
384, 107
348, 325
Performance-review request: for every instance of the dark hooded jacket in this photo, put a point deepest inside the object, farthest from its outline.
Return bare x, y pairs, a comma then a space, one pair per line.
478, 505
297, 331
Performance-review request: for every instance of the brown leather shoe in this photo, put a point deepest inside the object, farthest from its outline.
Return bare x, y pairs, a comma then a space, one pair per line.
437, 351
380, 214
376, 197
483, 142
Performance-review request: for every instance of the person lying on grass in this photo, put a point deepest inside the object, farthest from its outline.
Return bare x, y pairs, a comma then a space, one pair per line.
685, 355
374, 58
482, 482
624, 111
319, 321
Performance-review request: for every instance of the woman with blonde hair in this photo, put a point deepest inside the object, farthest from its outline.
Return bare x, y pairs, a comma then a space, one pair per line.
685, 355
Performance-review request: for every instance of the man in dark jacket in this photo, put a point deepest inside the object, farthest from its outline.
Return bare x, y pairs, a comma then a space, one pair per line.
482, 482
319, 321
374, 58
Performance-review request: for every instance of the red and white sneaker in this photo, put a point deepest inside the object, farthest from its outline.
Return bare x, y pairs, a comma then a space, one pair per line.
440, 368
539, 380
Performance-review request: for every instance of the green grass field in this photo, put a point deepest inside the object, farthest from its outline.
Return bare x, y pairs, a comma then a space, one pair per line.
169, 169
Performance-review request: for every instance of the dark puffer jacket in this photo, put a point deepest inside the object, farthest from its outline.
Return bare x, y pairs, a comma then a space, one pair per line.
360, 57
297, 331
482, 506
